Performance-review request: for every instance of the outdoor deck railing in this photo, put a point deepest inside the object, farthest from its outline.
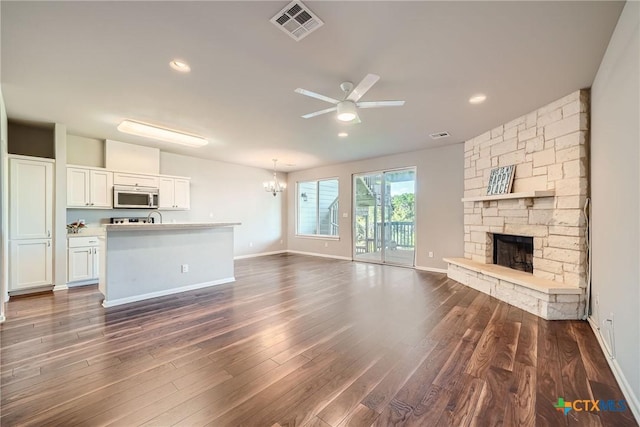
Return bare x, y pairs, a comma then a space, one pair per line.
399, 235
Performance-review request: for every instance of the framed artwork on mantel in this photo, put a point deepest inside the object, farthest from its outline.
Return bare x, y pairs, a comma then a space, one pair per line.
501, 180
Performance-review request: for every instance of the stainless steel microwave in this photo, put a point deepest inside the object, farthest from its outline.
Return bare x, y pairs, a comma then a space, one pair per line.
135, 197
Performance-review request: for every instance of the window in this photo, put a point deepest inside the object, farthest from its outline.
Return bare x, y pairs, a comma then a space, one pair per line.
318, 207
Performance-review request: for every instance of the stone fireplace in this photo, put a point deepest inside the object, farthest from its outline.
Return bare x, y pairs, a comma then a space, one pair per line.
549, 148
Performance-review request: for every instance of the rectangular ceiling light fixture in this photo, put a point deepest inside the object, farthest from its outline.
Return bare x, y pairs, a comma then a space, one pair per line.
161, 133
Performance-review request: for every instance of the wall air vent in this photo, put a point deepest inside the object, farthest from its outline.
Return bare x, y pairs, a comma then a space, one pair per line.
297, 20
439, 135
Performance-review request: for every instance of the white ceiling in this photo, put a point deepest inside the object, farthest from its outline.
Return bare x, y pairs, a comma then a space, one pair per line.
91, 64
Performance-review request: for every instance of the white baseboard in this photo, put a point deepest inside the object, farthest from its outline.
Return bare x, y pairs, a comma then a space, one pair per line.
81, 283
320, 255
260, 254
627, 391
60, 287
127, 300
431, 269
36, 290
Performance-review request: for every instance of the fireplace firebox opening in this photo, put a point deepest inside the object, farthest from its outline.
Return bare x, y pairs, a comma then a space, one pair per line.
513, 251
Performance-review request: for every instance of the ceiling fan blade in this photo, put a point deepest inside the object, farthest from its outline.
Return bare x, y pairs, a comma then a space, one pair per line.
317, 113
316, 96
377, 104
362, 88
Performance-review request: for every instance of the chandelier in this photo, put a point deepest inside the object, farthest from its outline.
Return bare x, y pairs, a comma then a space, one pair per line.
274, 187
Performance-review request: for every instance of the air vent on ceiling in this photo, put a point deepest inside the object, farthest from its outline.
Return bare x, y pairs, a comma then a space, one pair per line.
439, 135
297, 20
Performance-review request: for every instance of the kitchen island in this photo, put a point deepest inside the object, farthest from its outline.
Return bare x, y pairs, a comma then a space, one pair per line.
142, 261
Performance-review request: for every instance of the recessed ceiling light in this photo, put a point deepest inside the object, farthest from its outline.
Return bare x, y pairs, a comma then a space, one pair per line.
478, 98
179, 65
163, 134
343, 134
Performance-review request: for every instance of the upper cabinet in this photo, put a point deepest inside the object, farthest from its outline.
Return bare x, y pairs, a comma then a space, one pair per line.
92, 188
120, 178
89, 188
174, 194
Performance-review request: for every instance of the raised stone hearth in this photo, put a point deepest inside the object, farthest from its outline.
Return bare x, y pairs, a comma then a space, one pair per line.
549, 148
545, 298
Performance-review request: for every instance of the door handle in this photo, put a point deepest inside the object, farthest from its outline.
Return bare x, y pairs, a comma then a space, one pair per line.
48, 233
49, 244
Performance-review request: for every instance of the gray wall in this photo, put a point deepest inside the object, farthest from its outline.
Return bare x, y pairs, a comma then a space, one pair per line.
439, 212
30, 140
615, 191
85, 151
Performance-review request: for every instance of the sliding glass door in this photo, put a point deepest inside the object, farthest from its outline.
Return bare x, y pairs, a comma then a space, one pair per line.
384, 217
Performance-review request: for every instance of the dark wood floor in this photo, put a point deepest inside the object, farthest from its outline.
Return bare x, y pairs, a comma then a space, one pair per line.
299, 341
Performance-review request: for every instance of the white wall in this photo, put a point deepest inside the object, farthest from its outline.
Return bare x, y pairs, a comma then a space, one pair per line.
4, 204
615, 192
59, 210
220, 192
439, 188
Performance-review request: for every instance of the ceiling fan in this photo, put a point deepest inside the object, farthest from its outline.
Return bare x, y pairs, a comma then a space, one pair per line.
347, 108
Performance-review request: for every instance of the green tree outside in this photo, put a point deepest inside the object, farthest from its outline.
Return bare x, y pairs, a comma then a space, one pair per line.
403, 207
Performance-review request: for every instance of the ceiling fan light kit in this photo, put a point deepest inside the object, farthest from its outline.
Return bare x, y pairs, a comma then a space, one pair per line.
347, 108
347, 111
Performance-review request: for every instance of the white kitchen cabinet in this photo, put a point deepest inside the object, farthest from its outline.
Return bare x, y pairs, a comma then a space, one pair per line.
30, 222
89, 188
174, 194
30, 198
120, 178
83, 260
31, 264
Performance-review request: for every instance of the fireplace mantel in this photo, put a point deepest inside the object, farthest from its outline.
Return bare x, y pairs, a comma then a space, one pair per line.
522, 195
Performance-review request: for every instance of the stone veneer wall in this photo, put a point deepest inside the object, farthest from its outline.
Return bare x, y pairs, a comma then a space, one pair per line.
550, 148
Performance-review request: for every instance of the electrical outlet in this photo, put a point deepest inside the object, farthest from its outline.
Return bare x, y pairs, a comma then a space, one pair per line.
345, 214
326, 244
430, 254
250, 244
210, 214
184, 268
281, 241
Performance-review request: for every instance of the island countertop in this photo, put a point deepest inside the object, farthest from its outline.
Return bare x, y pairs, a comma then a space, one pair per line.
169, 226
